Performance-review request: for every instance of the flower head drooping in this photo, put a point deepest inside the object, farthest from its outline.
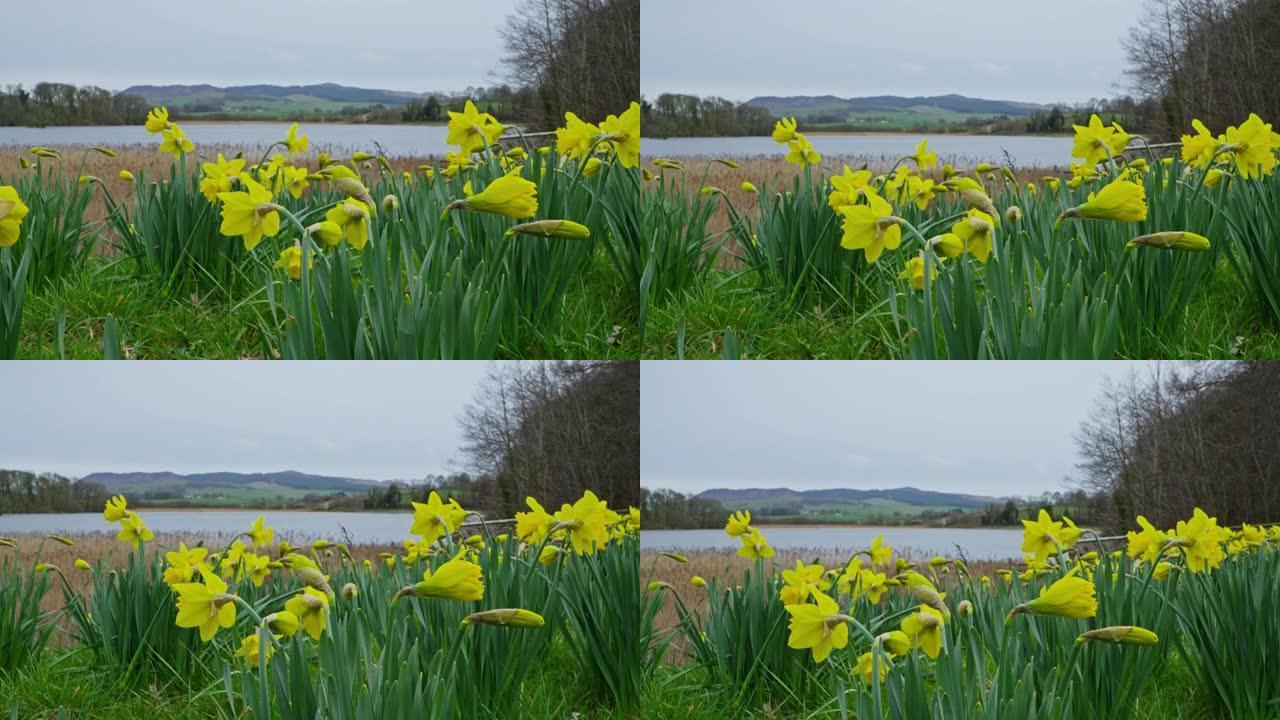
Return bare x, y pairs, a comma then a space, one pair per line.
1069, 596
250, 651
872, 228
457, 579
819, 627
1121, 200
352, 217
249, 213
975, 230
205, 605
311, 607
12, 213
510, 195
623, 134
924, 627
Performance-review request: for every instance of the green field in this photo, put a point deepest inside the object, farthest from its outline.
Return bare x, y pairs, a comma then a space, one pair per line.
881, 509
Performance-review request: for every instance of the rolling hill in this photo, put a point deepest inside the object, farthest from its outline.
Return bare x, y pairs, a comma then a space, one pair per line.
844, 504
267, 99
891, 111
227, 487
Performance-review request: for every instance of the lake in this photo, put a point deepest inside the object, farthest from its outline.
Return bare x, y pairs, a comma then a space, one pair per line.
335, 138
880, 149
976, 543
296, 526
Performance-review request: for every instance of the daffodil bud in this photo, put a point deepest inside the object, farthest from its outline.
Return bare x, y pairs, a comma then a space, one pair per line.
390, 203
1120, 635
326, 232
728, 163
552, 228
748, 187
894, 642
964, 609
506, 617
282, 623
349, 592
61, 539
104, 151
1013, 214
1172, 240
657, 585
697, 581
82, 564
674, 556
126, 176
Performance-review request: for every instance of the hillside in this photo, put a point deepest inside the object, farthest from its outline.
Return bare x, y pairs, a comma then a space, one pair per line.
892, 111
267, 99
227, 488
847, 505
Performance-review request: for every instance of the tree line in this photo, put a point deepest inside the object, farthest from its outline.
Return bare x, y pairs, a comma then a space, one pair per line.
28, 492
673, 115
1212, 60
554, 430
671, 510
580, 56
1180, 437
60, 104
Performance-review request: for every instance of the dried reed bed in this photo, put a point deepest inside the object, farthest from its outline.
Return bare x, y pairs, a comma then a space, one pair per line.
78, 161
105, 548
728, 566
774, 171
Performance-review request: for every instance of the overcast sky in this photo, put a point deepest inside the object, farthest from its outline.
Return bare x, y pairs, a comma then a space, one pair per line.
1035, 51
988, 428
377, 421
386, 44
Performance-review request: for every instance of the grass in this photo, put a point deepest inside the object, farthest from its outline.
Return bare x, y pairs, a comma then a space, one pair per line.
205, 327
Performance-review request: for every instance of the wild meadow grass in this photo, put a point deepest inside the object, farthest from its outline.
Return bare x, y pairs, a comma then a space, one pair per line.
1174, 624
1129, 255
536, 623
506, 249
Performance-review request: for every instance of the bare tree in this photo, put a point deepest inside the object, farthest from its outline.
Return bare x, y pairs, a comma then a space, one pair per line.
580, 56
553, 430
1204, 435
1213, 60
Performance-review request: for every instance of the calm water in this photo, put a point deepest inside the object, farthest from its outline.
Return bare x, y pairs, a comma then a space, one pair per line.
295, 526
396, 140
978, 544
960, 150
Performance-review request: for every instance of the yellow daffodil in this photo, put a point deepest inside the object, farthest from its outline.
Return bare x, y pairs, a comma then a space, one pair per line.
457, 579
872, 228
12, 213
738, 524
352, 217
1120, 200
1095, 142
184, 563
435, 518
133, 530
754, 546
1201, 540
157, 120
297, 144
819, 627
802, 152
784, 131
510, 195
249, 213
914, 272
249, 650
975, 230
585, 522
534, 526
848, 187
290, 261
218, 176
1252, 147
175, 142
1069, 596
923, 157
115, 510
924, 627
867, 665
311, 608
205, 605
282, 623
698, 581
801, 582
623, 134
472, 130
1198, 149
